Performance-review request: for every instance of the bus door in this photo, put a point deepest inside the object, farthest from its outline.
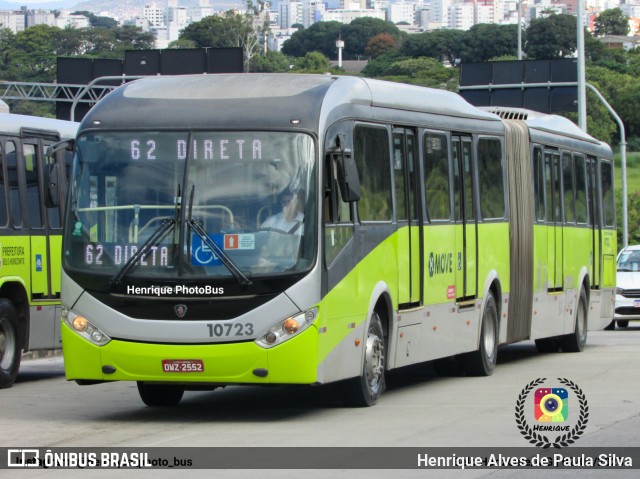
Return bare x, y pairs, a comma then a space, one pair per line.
41, 246
465, 213
554, 221
408, 214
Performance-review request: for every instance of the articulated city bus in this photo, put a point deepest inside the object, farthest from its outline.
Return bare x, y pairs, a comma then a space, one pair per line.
30, 238
301, 229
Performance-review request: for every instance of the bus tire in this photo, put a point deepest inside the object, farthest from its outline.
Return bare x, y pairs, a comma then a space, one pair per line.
159, 395
574, 342
623, 324
364, 391
10, 350
482, 362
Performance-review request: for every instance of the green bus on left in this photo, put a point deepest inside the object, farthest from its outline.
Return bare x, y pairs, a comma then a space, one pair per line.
30, 236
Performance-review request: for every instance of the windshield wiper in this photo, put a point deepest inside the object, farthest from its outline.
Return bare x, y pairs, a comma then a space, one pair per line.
219, 252
164, 228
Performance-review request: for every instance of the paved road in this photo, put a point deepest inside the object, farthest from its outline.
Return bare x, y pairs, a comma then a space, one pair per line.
420, 409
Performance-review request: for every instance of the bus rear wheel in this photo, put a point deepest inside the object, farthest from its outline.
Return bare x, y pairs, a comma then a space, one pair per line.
482, 362
159, 395
365, 390
10, 351
574, 342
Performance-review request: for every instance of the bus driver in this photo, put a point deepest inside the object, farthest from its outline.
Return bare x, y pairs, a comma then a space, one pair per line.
290, 219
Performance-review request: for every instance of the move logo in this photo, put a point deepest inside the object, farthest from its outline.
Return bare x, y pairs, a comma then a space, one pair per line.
441, 263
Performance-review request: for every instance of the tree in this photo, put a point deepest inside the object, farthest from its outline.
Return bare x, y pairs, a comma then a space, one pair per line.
182, 43
98, 21
488, 40
272, 62
380, 66
320, 37
422, 71
379, 45
611, 22
231, 30
313, 62
357, 34
32, 54
133, 38
440, 44
551, 37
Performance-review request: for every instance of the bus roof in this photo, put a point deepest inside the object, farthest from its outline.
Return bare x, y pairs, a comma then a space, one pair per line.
201, 101
19, 125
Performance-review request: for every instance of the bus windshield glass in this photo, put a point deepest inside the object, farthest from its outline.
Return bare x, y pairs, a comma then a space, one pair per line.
191, 204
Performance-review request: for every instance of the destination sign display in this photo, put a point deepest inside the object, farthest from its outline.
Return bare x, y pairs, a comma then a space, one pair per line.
201, 149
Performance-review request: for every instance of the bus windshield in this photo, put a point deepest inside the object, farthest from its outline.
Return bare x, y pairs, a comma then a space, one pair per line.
191, 204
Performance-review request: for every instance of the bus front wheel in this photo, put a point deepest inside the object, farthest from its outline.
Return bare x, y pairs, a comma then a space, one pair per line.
365, 390
158, 395
10, 351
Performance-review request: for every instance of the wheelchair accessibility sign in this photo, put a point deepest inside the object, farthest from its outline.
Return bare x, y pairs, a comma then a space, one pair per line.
201, 254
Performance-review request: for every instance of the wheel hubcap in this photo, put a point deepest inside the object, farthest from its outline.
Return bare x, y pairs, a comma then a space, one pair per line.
7, 344
489, 337
374, 361
581, 321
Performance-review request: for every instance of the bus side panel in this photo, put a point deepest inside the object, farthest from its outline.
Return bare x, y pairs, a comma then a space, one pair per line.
344, 311
575, 260
547, 315
55, 247
39, 266
441, 264
493, 255
608, 297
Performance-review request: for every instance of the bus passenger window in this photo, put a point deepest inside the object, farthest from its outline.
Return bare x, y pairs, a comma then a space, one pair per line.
582, 214
33, 188
538, 184
608, 200
371, 150
14, 189
567, 180
490, 172
436, 167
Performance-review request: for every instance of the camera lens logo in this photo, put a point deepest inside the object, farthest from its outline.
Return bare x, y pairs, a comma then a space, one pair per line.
551, 405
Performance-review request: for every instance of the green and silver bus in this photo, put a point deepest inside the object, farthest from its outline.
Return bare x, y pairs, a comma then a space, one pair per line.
301, 229
30, 237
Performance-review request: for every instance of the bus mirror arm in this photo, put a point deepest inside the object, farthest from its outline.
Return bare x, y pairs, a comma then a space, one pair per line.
348, 179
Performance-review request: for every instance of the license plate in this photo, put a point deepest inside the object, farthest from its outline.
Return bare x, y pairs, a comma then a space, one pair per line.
182, 365
636, 303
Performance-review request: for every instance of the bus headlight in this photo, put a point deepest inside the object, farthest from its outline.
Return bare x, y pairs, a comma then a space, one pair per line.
84, 328
287, 329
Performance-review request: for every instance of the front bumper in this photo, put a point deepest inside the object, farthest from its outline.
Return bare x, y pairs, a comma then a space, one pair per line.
627, 308
292, 362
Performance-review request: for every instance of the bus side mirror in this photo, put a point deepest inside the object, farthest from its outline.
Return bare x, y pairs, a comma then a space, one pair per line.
52, 174
347, 172
52, 191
